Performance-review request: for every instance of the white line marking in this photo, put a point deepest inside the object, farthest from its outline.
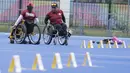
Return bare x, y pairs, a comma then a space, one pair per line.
98, 66
93, 37
111, 56
30, 69
112, 62
77, 54
16, 51
87, 66
95, 55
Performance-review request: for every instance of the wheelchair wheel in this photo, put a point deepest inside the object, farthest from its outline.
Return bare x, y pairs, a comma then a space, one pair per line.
20, 33
47, 38
62, 40
35, 36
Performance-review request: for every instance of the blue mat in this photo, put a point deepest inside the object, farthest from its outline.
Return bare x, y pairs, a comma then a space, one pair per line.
104, 60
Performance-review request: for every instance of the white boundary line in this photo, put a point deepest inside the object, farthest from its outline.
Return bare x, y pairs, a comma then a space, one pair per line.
112, 62
31, 69
0, 71
103, 62
93, 37
111, 56
66, 54
94, 55
85, 66
17, 51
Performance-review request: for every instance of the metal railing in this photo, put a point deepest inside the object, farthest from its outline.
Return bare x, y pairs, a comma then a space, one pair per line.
11, 9
87, 17
104, 15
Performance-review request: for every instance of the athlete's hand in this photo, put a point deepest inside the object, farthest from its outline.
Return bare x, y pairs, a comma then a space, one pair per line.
14, 26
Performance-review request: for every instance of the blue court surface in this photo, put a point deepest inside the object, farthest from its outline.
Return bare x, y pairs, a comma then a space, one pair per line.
104, 60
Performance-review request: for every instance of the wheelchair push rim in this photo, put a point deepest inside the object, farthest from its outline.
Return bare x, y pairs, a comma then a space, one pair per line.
46, 36
62, 40
20, 33
35, 36
47, 39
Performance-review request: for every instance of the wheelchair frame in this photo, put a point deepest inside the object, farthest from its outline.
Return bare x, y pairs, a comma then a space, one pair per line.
26, 35
55, 38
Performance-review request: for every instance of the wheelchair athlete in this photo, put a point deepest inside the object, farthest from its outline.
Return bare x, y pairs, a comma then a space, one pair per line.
57, 19
30, 19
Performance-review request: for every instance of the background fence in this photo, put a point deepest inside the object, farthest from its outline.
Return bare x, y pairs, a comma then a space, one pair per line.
87, 17
100, 17
10, 10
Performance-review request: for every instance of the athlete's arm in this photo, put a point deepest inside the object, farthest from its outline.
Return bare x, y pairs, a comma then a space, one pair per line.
46, 19
18, 20
63, 17
36, 21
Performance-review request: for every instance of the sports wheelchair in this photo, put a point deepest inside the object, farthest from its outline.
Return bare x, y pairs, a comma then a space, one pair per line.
20, 34
48, 36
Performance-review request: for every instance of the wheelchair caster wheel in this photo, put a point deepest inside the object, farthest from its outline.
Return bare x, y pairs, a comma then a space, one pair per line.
24, 42
12, 41
54, 42
30, 42
69, 35
66, 42
37, 43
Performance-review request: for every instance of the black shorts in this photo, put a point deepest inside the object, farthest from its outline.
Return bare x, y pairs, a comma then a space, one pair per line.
62, 29
30, 27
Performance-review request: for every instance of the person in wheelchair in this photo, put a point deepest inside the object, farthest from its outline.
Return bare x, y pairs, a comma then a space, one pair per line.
57, 19
30, 18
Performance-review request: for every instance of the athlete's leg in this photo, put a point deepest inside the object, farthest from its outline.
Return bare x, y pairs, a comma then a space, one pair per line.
11, 37
30, 28
64, 29
57, 27
27, 30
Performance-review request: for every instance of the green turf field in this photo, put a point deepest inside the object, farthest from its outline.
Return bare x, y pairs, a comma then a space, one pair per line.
4, 28
99, 32
87, 31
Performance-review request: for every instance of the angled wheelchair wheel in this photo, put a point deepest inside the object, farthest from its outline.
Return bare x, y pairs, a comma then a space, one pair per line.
20, 33
47, 38
62, 40
35, 36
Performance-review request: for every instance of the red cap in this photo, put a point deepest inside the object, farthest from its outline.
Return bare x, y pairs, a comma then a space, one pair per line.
30, 4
